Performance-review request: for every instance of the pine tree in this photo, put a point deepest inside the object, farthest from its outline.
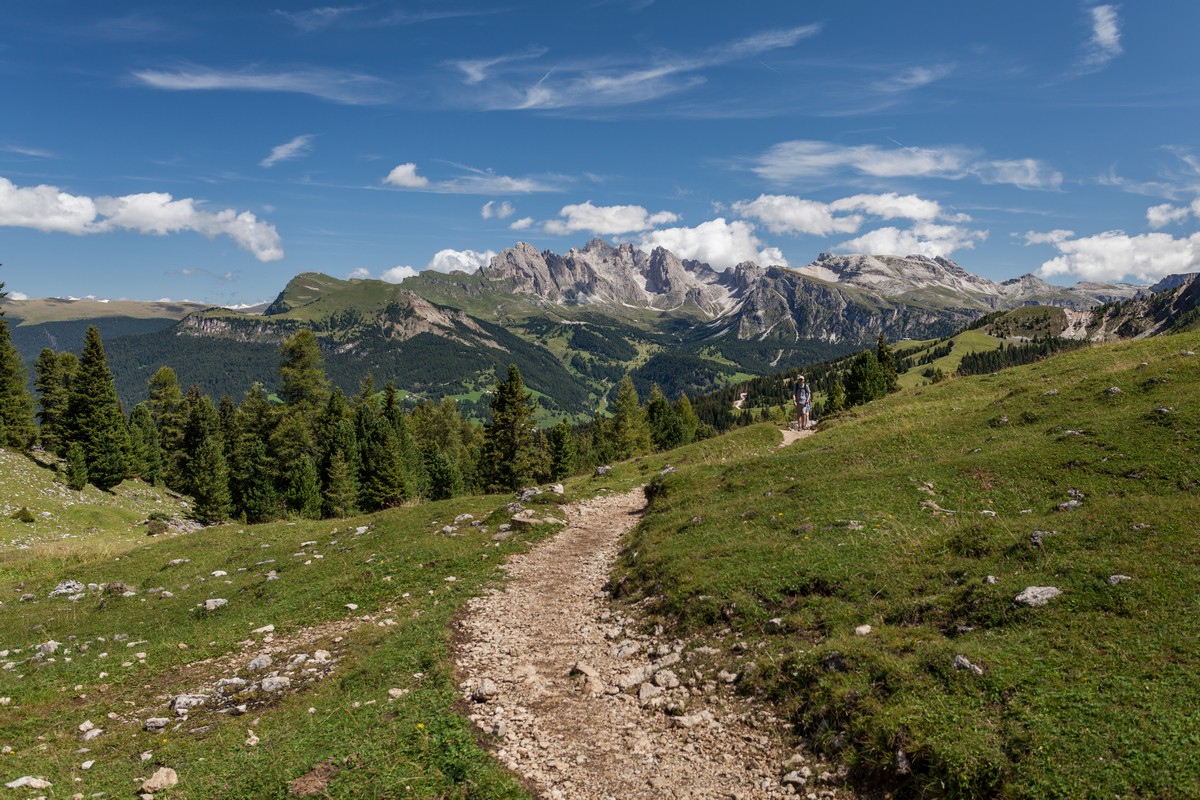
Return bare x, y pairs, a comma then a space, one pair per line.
445, 479
53, 373
341, 488
887, 360
302, 372
666, 427
835, 401
688, 419
508, 454
302, 489
96, 421
202, 424
77, 475
865, 379
381, 477
252, 480
631, 433
150, 453
562, 450
16, 404
165, 402
210, 489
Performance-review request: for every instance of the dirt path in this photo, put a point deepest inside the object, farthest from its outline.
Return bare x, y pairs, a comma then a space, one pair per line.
790, 436
583, 706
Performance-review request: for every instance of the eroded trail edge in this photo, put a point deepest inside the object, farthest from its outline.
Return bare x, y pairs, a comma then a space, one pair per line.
581, 704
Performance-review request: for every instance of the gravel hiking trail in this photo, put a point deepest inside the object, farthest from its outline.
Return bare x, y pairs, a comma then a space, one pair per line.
581, 703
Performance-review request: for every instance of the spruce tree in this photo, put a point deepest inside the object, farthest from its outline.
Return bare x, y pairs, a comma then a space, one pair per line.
341, 488
96, 421
381, 476
252, 480
16, 404
508, 448
165, 402
302, 372
562, 450
630, 431
77, 474
445, 479
666, 427
887, 361
865, 379
210, 489
202, 424
53, 373
835, 401
302, 489
688, 419
150, 447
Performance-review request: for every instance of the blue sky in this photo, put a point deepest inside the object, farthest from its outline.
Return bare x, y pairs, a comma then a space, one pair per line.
212, 150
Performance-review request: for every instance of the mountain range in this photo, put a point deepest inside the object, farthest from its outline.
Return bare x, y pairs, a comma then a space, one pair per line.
574, 323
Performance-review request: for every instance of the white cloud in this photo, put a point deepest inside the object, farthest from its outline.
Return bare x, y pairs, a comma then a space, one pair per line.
47, 208
1115, 255
475, 181
1105, 44
606, 220
476, 70
913, 78
17, 296
566, 86
405, 176
926, 239
787, 214
361, 272
1166, 214
449, 260
1024, 173
502, 211
397, 274
522, 224
296, 148
803, 160
1056, 236
346, 88
716, 242
797, 215
314, 19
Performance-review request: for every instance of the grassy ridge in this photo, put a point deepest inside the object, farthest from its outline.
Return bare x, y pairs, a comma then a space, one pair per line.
896, 515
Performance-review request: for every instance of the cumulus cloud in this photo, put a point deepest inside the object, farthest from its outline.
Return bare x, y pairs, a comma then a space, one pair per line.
47, 208
522, 224
797, 215
717, 242
397, 274
406, 177
17, 296
926, 239
296, 148
606, 220
502, 211
1166, 214
1055, 236
1105, 43
1115, 255
807, 160
361, 272
449, 260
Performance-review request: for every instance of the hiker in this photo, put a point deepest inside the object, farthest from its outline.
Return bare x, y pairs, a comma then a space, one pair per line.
802, 398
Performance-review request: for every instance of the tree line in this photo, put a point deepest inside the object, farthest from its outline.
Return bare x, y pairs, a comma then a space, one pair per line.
309, 451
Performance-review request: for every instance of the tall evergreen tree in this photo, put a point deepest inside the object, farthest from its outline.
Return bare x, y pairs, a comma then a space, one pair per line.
630, 431
508, 448
887, 362
302, 372
16, 404
210, 488
562, 450
150, 448
77, 474
95, 416
302, 489
203, 423
835, 401
53, 373
165, 402
381, 478
865, 379
666, 426
340, 492
688, 419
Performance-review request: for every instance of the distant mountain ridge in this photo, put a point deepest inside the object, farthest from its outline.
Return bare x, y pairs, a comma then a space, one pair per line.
575, 323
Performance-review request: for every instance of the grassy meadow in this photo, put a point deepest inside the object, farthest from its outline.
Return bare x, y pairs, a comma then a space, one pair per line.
916, 516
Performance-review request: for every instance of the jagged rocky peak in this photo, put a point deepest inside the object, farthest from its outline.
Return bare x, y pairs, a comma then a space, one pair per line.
896, 275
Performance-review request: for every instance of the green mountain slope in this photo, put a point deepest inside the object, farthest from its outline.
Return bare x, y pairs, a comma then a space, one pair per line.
925, 516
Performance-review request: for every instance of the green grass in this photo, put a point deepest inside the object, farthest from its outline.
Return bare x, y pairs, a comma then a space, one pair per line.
416, 745
1090, 696
969, 341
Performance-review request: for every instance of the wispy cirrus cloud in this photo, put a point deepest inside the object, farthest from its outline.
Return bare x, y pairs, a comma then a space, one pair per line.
913, 78
566, 86
50, 209
344, 88
363, 16
476, 70
298, 147
806, 160
472, 180
315, 19
31, 152
1105, 42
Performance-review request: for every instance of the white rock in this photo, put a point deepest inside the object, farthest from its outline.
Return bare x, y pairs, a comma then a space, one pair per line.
87, 764
163, 778
86, 726
29, 782
186, 702
92, 734
214, 603
1113, 580
1036, 596
251, 739
276, 684
321, 656
264, 629
352, 606
862, 630
156, 724
484, 690
260, 663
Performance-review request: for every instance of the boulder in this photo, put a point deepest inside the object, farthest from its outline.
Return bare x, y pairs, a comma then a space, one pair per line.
1037, 596
163, 778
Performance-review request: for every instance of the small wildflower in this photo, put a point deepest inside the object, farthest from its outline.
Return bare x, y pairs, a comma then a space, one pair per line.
420, 725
